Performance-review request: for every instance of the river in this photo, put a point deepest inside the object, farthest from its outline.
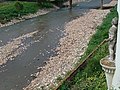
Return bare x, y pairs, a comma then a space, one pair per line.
15, 74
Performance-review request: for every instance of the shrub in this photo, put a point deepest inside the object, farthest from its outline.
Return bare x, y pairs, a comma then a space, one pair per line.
18, 6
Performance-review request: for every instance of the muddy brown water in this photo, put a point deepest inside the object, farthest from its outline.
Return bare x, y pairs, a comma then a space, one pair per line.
14, 75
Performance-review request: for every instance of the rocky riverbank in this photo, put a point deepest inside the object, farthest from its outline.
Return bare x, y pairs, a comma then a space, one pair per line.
29, 16
77, 35
40, 12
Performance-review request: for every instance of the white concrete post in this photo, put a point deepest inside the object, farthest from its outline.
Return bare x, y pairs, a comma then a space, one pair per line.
116, 78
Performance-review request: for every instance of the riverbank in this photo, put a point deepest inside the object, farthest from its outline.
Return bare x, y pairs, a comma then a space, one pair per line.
25, 17
31, 14
92, 77
34, 13
77, 35
10, 13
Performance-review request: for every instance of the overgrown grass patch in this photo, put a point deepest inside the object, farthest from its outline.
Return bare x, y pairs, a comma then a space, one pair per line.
92, 77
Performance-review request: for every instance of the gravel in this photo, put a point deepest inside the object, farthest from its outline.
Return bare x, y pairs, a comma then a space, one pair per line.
77, 35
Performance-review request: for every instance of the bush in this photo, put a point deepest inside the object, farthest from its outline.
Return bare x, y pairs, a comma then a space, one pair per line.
18, 6
45, 5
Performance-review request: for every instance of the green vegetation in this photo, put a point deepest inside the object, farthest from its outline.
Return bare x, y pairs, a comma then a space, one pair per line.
19, 6
92, 77
10, 10
45, 5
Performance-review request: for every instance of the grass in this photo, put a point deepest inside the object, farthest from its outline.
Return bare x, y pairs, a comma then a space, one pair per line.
8, 10
92, 77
